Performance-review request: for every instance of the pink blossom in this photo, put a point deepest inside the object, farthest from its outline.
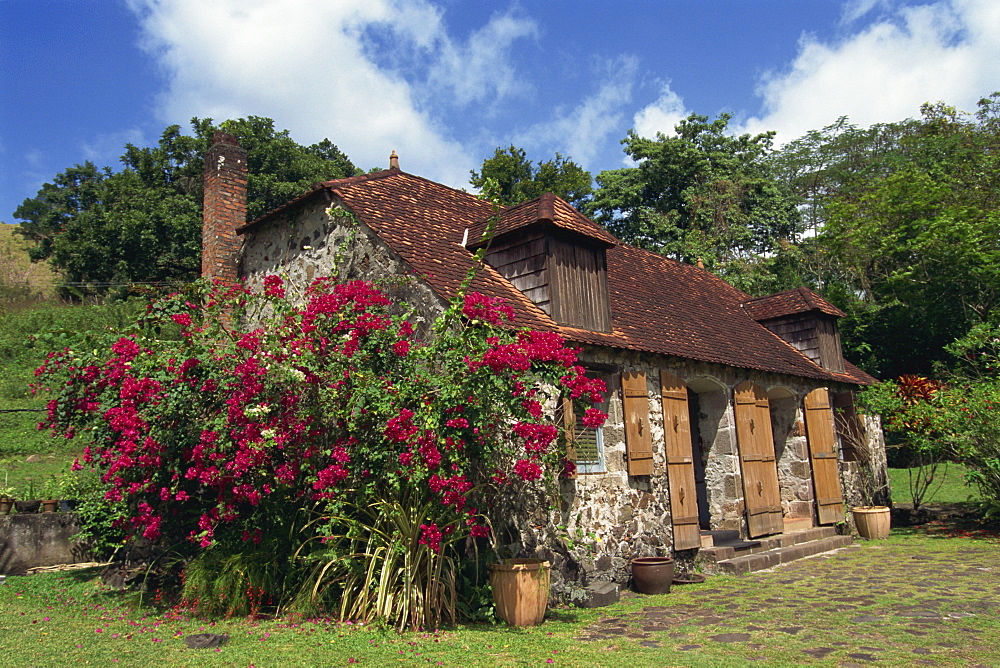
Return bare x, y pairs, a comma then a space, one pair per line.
528, 470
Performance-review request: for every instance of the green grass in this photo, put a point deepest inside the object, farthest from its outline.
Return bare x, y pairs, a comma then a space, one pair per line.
826, 603
948, 485
27, 334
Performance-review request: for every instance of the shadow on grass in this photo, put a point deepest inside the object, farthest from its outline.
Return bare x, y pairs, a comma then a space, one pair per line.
952, 520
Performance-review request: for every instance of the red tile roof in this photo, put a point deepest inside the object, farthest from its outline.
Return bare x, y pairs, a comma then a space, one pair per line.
789, 302
657, 305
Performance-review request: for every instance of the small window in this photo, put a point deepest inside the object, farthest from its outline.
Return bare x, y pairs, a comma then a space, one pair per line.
587, 443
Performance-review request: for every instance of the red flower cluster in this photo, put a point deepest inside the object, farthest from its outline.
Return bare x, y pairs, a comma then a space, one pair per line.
491, 310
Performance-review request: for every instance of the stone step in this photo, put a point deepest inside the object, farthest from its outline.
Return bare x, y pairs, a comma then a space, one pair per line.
718, 553
758, 561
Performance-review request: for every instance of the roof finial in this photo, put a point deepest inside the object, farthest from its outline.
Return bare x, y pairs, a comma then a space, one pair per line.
393, 160
701, 265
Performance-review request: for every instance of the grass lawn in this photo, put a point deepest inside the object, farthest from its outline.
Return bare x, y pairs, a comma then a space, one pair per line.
948, 485
931, 593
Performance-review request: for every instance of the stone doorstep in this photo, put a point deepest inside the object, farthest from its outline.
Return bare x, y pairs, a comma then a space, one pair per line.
718, 553
780, 555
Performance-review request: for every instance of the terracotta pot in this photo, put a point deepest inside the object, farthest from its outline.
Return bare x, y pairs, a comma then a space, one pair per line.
50, 505
653, 575
872, 521
520, 590
6, 505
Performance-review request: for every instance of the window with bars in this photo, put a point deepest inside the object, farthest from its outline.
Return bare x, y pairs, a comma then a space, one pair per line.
586, 444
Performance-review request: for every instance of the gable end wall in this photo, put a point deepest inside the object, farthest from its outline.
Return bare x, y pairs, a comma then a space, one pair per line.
307, 243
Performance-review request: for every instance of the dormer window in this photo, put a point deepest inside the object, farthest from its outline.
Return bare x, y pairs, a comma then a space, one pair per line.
806, 321
556, 257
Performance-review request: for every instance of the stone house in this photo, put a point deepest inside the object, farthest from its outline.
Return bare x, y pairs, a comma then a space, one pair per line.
721, 406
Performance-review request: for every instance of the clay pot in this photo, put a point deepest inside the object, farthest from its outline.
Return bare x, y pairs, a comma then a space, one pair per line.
520, 590
653, 575
50, 505
872, 521
6, 505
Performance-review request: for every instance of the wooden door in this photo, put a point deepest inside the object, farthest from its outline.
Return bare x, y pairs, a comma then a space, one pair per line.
638, 436
680, 462
760, 470
823, 455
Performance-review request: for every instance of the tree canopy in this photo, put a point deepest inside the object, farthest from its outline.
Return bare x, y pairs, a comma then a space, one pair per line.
520, 180
908, 222
143, 223
701, 193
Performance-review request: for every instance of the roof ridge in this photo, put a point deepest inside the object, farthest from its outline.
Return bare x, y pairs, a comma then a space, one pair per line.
357, 178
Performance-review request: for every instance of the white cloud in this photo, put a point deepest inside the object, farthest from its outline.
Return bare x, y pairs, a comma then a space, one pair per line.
660, 116
480, 68
315, 68
855, 9
946, 50
578, 132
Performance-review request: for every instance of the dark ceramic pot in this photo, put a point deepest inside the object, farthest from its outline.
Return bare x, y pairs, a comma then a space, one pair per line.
653, 575
27, 506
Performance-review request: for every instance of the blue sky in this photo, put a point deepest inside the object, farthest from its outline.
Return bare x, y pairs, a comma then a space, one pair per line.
443, 82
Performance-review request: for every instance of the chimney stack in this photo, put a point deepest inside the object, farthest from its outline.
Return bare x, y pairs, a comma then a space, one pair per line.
225, 207
393, 160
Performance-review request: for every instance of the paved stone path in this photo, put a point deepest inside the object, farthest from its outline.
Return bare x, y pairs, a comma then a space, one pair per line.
895, 603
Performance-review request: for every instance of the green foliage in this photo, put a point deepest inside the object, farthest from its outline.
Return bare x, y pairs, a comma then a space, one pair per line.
520, 180
96, 516
382, 568
959, 420
232, 584
143, 224
701, 193
908, 216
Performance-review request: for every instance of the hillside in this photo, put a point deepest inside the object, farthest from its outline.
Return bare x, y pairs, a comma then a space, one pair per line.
20, 279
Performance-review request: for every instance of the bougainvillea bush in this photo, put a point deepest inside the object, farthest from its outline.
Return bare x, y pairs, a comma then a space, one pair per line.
291, 425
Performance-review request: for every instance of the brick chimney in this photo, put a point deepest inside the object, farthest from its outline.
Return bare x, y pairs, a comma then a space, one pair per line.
225, 207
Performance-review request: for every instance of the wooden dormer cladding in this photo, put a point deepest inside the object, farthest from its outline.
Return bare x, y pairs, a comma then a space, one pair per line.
578, 280
806, 321
557, 258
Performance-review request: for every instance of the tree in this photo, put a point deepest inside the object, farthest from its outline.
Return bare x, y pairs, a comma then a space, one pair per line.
698, 194
44, 216
917, 246
520, 180
143, 224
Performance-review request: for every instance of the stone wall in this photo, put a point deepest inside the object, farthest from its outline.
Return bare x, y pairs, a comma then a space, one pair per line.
322, 239
38, 539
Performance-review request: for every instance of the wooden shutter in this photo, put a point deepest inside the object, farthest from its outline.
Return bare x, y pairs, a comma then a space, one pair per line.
569, 425
680, 462
760, 471
823, 454
638, 437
